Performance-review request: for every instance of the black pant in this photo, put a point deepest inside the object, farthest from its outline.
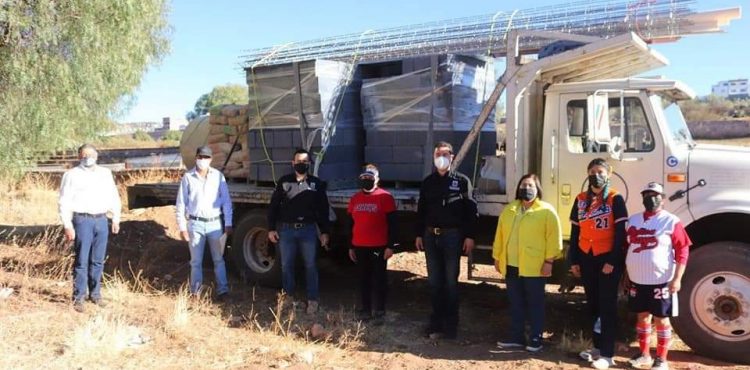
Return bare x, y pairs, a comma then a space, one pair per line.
372, 275
601, 296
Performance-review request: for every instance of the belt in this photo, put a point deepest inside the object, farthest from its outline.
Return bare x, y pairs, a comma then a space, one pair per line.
204, 219
90, 215
297, 225
440, 230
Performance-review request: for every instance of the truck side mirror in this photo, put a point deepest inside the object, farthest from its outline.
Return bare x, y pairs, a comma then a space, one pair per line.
598, 118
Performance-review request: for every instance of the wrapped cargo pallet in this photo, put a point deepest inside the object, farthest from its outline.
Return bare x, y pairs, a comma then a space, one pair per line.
329, 123
397, 110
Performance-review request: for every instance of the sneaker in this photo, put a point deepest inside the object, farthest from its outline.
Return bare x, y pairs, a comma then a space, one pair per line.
222, 297
590, 355
312, 307
660, 364
78, 306
509, 345
534, 347
640, 361
99, 302
603, 363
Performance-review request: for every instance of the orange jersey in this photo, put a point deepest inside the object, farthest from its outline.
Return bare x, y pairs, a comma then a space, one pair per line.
597, 224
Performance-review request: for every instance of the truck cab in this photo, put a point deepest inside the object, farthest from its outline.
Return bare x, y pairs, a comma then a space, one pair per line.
558, 122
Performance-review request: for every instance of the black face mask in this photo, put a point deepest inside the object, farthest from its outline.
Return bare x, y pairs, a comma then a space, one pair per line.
597, 181
367, 184
527, 194
651, 202
301, 168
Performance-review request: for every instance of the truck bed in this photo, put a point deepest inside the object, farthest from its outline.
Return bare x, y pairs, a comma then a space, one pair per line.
162, 194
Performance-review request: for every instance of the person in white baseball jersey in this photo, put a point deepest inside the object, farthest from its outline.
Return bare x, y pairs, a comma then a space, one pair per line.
656, 259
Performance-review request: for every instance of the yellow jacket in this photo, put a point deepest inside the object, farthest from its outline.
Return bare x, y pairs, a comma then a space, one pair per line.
540, 237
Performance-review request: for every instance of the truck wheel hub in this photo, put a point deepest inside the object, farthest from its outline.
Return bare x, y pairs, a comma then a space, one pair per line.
721, 304
258, 255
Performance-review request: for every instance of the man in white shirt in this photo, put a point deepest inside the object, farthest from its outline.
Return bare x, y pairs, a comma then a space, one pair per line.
87, 193
201, 200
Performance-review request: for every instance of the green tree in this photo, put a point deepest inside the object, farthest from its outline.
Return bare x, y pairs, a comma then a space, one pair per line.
224, 94
67, 67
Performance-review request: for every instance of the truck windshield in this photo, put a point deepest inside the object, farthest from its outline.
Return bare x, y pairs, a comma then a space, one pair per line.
676, 122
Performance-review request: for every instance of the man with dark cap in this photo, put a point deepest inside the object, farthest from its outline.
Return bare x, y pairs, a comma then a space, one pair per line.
87, 194
202, 199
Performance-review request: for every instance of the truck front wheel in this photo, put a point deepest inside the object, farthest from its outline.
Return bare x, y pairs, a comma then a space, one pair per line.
714, 317
252, 253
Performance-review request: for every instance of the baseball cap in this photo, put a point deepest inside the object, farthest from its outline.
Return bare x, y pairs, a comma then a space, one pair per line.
653, 186
204, 151
369, 172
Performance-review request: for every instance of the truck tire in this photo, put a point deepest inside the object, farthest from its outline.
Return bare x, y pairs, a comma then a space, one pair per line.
714, 317
252, 254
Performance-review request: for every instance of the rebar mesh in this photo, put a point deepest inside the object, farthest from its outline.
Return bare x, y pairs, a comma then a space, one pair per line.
487, 34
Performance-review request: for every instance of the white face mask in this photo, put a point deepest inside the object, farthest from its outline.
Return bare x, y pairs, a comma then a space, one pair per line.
88, 161
442, 163
202, 164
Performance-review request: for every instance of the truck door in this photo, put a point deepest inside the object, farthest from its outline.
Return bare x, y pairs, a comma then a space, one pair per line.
642, 149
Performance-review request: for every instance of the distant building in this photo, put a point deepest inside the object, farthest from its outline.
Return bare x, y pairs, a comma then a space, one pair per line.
732, 89
173, 123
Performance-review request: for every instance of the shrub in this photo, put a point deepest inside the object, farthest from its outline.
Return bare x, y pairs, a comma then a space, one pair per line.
142, 136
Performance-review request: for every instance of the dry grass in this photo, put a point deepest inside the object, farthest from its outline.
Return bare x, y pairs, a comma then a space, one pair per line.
129, 141
145, 327
31, 201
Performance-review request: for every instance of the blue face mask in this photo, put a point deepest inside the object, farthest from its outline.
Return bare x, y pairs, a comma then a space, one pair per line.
88, 161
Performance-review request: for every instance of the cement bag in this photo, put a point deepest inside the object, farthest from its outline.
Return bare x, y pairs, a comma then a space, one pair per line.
217, 119
195, 135
223, 129
217, 138
220, 148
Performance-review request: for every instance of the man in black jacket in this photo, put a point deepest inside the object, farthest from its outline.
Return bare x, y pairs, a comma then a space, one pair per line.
447, 219
298, 205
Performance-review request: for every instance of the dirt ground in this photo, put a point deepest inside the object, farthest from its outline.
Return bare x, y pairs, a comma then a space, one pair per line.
148, 242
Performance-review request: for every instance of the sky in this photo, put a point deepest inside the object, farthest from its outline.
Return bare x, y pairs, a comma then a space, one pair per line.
208, 39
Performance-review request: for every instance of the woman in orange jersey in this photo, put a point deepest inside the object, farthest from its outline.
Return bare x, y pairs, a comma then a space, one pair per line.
596, 255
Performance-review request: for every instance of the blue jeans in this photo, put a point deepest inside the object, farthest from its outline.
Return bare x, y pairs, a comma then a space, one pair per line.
90, 250
200, 233
526, 296
305, 241
443, 253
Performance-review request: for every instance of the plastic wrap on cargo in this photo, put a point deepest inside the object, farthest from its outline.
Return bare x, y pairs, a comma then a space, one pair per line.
274, 98
403, 102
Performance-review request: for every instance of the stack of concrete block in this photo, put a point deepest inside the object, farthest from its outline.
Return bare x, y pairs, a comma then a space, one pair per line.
272, 150
406, 156
396, 111
227, 127
275, 99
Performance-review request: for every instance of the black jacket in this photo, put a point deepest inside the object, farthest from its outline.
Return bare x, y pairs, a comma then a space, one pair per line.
299, 202
447, 202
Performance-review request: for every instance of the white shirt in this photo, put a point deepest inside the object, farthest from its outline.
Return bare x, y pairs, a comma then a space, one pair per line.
653, 243
88, 190
203, 197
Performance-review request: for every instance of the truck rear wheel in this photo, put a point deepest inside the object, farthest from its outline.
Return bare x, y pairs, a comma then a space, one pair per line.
714, 315
252, 253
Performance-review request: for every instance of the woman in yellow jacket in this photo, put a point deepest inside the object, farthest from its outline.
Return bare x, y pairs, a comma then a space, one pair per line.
528, 239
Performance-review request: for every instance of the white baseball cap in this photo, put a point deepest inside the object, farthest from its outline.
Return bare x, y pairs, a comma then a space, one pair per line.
653, 186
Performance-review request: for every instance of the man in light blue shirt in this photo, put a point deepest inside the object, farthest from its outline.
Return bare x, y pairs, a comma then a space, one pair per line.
201, 201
